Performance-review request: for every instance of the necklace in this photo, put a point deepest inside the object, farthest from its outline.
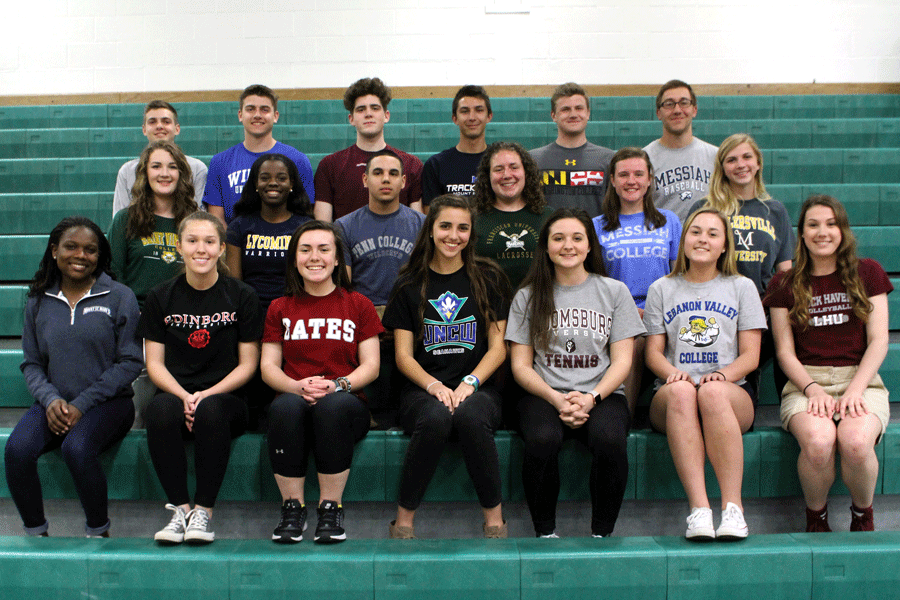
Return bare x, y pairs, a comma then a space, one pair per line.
72, 302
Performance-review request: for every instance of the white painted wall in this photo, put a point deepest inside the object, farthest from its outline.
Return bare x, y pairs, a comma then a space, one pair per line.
95, 46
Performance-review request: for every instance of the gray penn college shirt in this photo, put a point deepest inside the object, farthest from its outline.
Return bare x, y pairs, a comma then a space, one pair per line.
701, 321
588, 318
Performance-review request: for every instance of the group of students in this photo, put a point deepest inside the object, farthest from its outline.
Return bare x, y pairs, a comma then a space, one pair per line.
559, 331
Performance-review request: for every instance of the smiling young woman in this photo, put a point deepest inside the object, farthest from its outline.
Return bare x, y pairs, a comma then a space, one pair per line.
81, 355
448, 313
763, 238
572, 369
273, 205
200, 332
143, 236
320, 349
639, 242
830, 323
511, 208
704, 322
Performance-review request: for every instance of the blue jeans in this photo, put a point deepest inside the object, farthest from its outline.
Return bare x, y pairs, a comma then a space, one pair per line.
98, 429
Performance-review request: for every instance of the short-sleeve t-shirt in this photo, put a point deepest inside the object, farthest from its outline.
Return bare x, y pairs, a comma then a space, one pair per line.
638, 256
701, 321
763, 237
836, 337
339, 179
587, 319
320, 335
377, 246
450, 172
263, 247
682, 174
229, 170
201, 329
143, 263
509, 239
454, 336
574, 177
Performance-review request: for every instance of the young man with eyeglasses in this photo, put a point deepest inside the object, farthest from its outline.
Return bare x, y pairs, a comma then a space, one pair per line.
682, 163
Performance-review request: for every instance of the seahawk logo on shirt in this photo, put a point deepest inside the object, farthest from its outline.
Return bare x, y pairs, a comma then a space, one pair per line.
448, 305
449, 336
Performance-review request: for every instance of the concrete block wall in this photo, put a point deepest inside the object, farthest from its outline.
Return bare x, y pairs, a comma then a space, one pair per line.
97, 46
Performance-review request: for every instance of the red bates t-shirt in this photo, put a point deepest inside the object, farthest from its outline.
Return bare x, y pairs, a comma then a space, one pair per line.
321, 335
836, 337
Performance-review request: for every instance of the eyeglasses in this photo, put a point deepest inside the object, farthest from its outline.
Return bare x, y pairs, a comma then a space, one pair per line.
670, 104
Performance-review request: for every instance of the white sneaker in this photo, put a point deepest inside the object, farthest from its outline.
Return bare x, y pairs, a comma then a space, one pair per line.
549, 536
197, 531
733, 526
700, 525
173, 533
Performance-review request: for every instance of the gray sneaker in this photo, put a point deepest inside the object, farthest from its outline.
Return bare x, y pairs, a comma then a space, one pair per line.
173, 533
197, 531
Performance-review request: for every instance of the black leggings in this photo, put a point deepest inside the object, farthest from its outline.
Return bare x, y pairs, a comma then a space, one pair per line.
606, 435
429, 422
218, 419
331, 428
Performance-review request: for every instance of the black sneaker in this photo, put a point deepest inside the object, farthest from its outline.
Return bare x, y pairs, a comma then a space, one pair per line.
330, 529
292, 525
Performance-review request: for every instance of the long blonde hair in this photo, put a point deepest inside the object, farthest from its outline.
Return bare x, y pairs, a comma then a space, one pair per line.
726, 264
721, 197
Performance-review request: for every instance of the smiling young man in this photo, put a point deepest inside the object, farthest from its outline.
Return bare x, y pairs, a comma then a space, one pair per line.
682, 163
453, 170
378, 240
572, 168
228, 170
160, 123
381, 234
339, 189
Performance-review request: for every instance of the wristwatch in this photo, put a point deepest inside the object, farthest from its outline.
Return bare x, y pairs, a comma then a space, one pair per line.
342, 384
471, 380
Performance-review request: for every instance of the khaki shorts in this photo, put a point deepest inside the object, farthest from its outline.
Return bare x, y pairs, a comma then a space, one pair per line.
835, 381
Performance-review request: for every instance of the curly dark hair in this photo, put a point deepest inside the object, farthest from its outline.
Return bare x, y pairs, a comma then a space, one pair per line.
250, 202
141, 219
533, 194
48, 273
365, 87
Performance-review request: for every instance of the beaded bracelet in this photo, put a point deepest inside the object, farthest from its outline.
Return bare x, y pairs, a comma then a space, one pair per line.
431, 384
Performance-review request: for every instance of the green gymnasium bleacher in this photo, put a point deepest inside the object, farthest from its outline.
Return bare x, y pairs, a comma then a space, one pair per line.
796, 566
60, 160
